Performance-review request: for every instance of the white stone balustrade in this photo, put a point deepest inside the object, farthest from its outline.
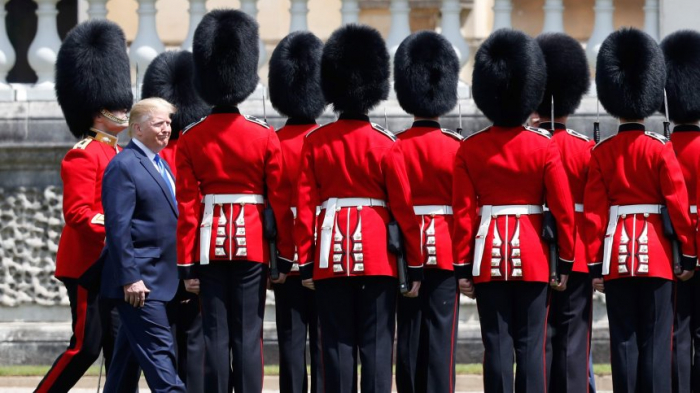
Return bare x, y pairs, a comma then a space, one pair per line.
602, 27
651, 18
298, 11
350, 11
147, 45
452, 28
43, 51
7, 57
400, 25
553, 16
501, 14
197, 10
97, 9
250, 8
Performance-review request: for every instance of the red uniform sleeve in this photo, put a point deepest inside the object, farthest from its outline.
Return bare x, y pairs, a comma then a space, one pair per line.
278, 196
561, 204
596, 208
306, 212
189, 207
401, 203
676, 196
464, 206
79, 172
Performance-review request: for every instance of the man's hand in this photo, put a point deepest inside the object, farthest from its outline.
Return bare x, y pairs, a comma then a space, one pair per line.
135, 293
561, 284
309, 283
685, 275
192, 285
281, 279
467, 288
415, 286
598, 285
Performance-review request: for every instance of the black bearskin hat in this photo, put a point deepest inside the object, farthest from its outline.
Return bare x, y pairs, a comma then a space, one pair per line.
355, 69
568, 77
630, 74
92, 74
170, 77
509, 77
682, 52
295, 76
426, 74
226, 51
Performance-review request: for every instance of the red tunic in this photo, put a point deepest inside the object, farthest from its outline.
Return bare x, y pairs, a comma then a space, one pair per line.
575, 151
229, 153
631, 168
353, 158
83, 235
430, 153
510, 166
686, 143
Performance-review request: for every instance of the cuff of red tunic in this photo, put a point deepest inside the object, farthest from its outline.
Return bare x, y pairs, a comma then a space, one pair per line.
415, 273
595, 269
688, 262
463, 270
306, 271
284, 265
187, 272
564, 266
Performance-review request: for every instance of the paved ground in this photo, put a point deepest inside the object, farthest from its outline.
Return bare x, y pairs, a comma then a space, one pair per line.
465, 384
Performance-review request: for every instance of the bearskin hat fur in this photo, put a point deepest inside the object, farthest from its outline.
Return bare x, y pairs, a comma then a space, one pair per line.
294, 78
92, 73
682, 53
226, 52
170, 77
568, 77
355, 69
426, 74
630, 74
509, 77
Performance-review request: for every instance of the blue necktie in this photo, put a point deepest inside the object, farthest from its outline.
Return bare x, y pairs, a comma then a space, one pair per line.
164, 173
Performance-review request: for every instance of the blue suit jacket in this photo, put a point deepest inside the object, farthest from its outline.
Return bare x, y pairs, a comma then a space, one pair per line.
141, 223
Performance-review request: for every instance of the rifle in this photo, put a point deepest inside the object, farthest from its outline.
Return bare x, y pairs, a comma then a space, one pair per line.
667, 123
459, 108
270, 233
596, 123
670, 234
396, 247
549, 234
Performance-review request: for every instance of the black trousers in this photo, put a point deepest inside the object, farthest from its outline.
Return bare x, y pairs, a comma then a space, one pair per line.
186, 323
357, 314
640, 314
568, 335
295, 315
513, 319
232, 296
686, 336
426, 335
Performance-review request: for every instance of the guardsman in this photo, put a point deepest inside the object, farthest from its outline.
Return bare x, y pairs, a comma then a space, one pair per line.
93, 88
682, 54
634, 178
228, 166
295, 91
569, 321
503, 176
356, 170
170, 76
426, 73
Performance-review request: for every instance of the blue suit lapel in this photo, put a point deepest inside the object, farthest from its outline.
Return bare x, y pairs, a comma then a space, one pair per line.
151, 169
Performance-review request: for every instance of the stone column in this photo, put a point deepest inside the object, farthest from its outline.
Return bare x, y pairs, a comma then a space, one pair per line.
249, 7
400, 25
7, 57
147, 45
501, 14
197, 10
43, 51
602, 27
452, 28
298, 10
553, 16
350, 11
651, 18
97, 9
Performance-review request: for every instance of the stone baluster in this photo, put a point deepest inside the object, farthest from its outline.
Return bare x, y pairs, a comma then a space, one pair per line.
400, 25
602, 27
197, 10
43, 51
501, 14
97, 9
298, 10
452, 28
7, 57
651, 18
147, 45
553, 16
249, 7
350, 11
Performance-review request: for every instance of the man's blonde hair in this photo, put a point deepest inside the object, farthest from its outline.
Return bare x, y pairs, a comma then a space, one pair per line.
144, 109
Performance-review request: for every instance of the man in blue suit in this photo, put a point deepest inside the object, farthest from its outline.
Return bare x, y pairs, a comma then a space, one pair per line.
140, 270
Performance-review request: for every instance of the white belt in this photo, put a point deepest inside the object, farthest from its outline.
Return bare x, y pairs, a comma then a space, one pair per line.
331, 205
578, 207
208, 217
615, 212
693, 209
426, 210
487, 212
